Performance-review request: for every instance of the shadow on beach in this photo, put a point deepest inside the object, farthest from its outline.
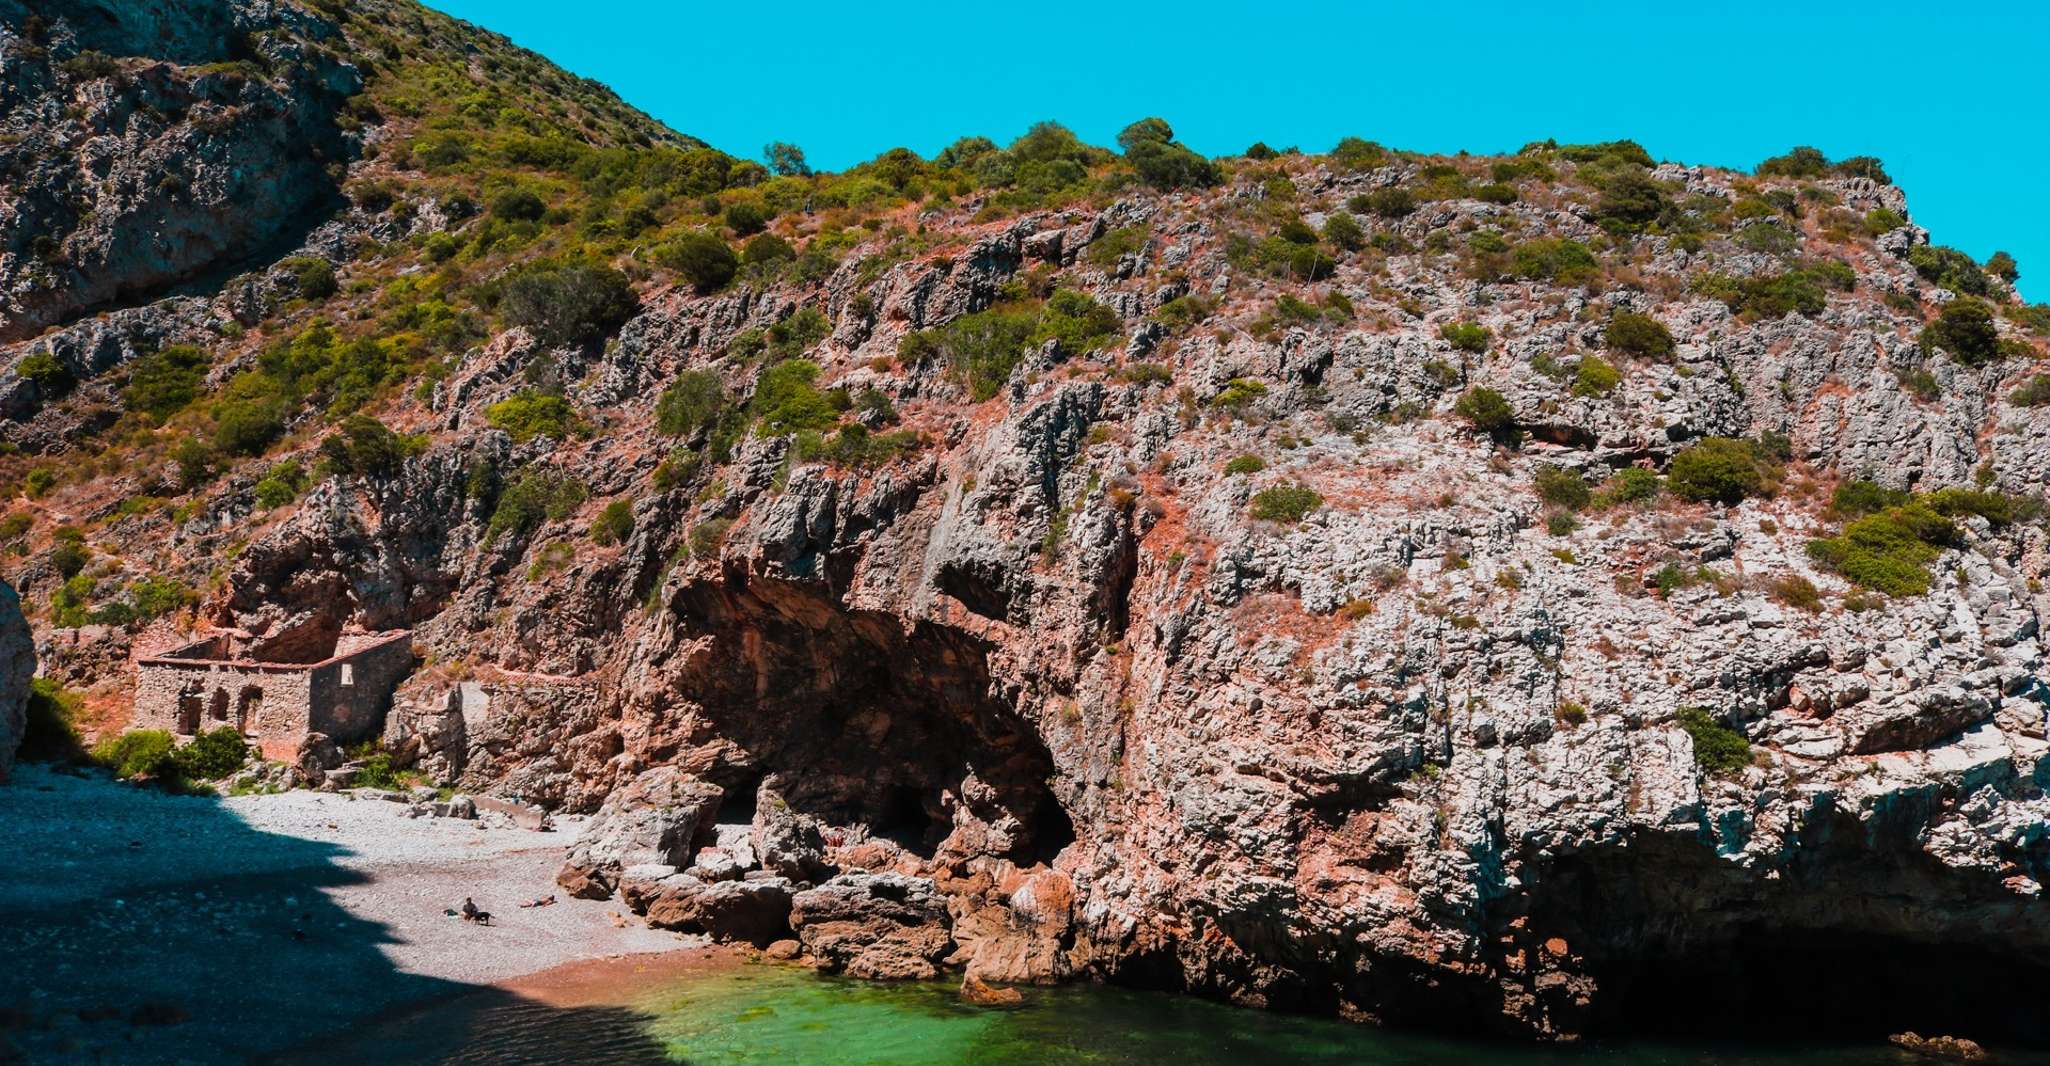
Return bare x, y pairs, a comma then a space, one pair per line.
145, 928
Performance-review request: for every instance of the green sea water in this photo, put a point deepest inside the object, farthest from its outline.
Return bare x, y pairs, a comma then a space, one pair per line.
774, 1015
785, 1015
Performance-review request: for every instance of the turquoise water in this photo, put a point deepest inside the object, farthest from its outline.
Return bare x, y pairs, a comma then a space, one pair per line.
775, 1014
784, 1015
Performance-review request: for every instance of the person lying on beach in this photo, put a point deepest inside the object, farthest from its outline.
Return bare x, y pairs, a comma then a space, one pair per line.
544, 901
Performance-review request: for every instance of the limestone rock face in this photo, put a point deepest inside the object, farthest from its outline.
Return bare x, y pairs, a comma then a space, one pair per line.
17, 669
884, 926
660, 818
186, 165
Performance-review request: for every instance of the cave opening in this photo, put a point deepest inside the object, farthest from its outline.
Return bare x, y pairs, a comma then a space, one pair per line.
1859, 938
895, 732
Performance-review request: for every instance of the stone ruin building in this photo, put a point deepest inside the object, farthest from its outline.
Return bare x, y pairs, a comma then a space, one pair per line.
274, 693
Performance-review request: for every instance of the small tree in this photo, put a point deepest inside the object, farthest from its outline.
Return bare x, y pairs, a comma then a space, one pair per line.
702, 258
693, 402
569, 305
1964, 328
1719, 469
614, 524
1288, 504
1639, 335
1489, 411
786, 159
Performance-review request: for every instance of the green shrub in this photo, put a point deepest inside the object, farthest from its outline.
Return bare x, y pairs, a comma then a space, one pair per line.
1163, 162
1392, 202
518, 205
1489, 411
1994, 507
1861, 497
1105, 251
1629, 201
213, 754
40, 481
787, 401
365, 447
1965, 330
528, 414
1354, 153
1465, 336
313, 278
139, 753
1631, 484
1950, 269
981, 349
614, 524
281, 485
1555, 259
1344, 232
854, 446
47, 371
1718, 749
1595, 377
1882, 220
163, 382
1802, 162
695, 401
1889, 551
745, 218
1286, 503
1719, 469
156, 595
1182, 312
2003, 266
1239, 393
2034, 392
51, 732
571, 305
1244, 464
1561, 487
1639, 335
767, 248
707, 537
536, 496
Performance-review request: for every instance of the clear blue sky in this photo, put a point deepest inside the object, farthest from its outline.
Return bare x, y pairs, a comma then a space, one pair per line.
1955, 97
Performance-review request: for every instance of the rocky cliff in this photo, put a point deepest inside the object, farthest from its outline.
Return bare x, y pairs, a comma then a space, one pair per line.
17, 668
1542, 589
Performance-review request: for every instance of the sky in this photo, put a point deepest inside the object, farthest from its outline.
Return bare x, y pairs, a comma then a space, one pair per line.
1954, 97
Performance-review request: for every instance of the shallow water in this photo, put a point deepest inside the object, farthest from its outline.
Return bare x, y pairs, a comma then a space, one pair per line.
759, 1014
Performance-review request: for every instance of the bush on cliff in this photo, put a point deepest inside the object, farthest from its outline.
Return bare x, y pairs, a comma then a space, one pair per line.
537, 495
163, 382
614, 524
695, 401
528, 414
1639, 335
569, 305
1964, 329
1718, 749
1286, 503
1889, 551
1720, 470
1489, 412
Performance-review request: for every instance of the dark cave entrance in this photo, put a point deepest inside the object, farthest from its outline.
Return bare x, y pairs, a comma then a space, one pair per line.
1859, 940
866, 724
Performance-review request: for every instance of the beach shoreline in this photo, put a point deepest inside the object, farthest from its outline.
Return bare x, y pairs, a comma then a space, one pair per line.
160, 928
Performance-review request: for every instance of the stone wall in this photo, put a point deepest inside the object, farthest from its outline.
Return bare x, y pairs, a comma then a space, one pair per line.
344, 696
350, 693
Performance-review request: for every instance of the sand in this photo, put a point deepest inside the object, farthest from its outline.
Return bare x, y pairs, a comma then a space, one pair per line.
141, 927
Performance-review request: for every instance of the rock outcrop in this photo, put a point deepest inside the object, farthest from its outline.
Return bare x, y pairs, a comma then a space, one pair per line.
17, 669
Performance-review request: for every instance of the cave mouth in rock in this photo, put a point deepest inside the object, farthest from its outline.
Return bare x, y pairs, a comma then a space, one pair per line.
864, 722
1776, 983
1861, 936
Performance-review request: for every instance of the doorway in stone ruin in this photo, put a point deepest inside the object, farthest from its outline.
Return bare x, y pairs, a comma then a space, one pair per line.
248, 708
188, 711
218, 711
